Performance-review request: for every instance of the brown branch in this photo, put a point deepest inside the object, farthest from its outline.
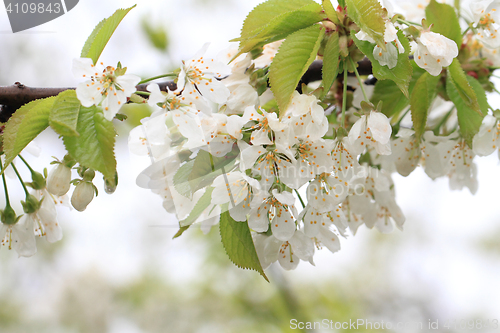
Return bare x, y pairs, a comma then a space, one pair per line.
14, 96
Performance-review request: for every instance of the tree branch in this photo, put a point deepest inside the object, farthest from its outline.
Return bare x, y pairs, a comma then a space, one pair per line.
14, 96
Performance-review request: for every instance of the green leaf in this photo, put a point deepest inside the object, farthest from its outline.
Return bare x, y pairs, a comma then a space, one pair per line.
198, 208
444, 20
292, 18
393, 100
401, 74
468, 119
64, 115
102, 33
369, 16
264, 13
461, 84
295, 55
421, 99
206, 168
330, 11
181, 179
238, 243
331, 61
94, 148
25, 125
181, 231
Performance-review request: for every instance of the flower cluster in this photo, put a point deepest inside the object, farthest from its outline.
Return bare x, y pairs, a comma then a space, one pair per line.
259, 165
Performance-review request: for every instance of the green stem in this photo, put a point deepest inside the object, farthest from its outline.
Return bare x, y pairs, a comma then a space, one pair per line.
26, 163
344, 96
466, 30
409, 23
300, 198
20, 179
157, 77
441, 123
359, 80
5, 189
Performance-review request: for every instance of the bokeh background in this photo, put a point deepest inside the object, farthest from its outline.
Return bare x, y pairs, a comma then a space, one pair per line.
118, 270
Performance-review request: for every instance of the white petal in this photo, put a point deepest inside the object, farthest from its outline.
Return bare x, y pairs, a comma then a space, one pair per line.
283, 225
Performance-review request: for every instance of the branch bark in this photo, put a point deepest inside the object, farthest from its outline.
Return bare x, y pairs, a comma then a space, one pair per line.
14, 96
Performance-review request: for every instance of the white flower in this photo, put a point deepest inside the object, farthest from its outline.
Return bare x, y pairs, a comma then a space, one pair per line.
44, 220
306, 117
487, 140
58, 181
104, 86
82, 195
389, 56
268, 53
320, 225
19, 236
275, 209
199, 75
236, 188
326, 191
287, 253
487, 18
374, 130
434, 51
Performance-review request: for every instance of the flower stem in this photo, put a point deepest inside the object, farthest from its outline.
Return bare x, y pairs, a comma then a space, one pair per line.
408, 23
5, 190
359, 80
344, 96
20, 179
441, 123
300, 198
26, 163
157, 77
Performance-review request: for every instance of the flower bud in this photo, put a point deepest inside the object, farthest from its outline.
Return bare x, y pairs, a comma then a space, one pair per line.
37, 180
82, 195
31, 204
59, 179
9, 216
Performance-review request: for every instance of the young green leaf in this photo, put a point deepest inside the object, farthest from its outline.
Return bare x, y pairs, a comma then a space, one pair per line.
369, 16
206, 168
393, 100
401, 74
468, 119
330, 11
198, 208
64, 115
331, 61
102, 33
444, 20
94, 148
281, 26
461, 84
25, 125
238, 243
295, 55
421, 99
264, 13
181, 179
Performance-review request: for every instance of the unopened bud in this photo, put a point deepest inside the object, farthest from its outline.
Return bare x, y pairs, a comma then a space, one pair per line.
59, 179
82, 195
